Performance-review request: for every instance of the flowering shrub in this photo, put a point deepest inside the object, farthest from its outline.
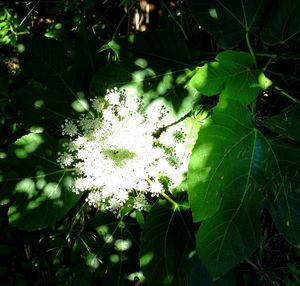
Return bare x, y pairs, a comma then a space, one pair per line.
121, 154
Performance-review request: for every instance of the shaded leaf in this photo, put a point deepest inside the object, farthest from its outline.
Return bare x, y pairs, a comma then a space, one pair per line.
282, 23
166, 247
41, 189
286, 123
86, 59
46, 61
285, 213
164, 48
232, 75
284, 199
233, 233
229, 20
106, 249
43, 107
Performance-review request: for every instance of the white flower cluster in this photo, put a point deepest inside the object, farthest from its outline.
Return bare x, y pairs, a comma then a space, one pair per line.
121, 154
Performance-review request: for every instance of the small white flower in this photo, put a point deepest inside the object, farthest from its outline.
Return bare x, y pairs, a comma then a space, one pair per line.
64, 159
69, 128
140, 202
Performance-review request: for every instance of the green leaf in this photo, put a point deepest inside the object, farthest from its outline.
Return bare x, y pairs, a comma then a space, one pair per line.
285, 213
284, 200
228, 20
107, 248
162, 49
233, 233
167, 89
229, 156
166, 246
86, 59
282, 23
286, 123
46, 61
41, 190
43, 108
232, 75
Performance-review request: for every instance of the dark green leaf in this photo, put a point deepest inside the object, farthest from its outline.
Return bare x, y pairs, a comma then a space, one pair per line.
286, 123
43, 107
228, 20
284, 199
282, 23
285, 213
86, 59
232, 75
233, 233
166, 247
46, 61
41, 189
107, 248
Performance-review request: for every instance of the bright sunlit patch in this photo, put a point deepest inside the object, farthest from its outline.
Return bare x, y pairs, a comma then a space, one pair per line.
52, 191
36, 129
39, 104
92, 261
213, 13
123, 244
26, 186
80, 105
142, 63
114, 258
146, 259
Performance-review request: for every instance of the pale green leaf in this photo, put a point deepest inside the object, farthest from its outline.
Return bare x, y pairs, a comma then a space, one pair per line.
232, 75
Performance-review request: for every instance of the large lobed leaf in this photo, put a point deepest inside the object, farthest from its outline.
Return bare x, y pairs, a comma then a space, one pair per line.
283, 202
282, 23
229, 20
286, 123
233, 233
230, 155
233, 169
167, 247
232, 75
40, 191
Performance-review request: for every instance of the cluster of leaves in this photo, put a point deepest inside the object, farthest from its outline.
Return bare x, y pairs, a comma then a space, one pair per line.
242, 205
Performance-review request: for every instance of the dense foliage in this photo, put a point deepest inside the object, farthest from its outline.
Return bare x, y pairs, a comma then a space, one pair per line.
226, 69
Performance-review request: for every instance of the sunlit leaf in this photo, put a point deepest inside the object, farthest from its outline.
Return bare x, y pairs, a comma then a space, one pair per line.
232, 75
230, 156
